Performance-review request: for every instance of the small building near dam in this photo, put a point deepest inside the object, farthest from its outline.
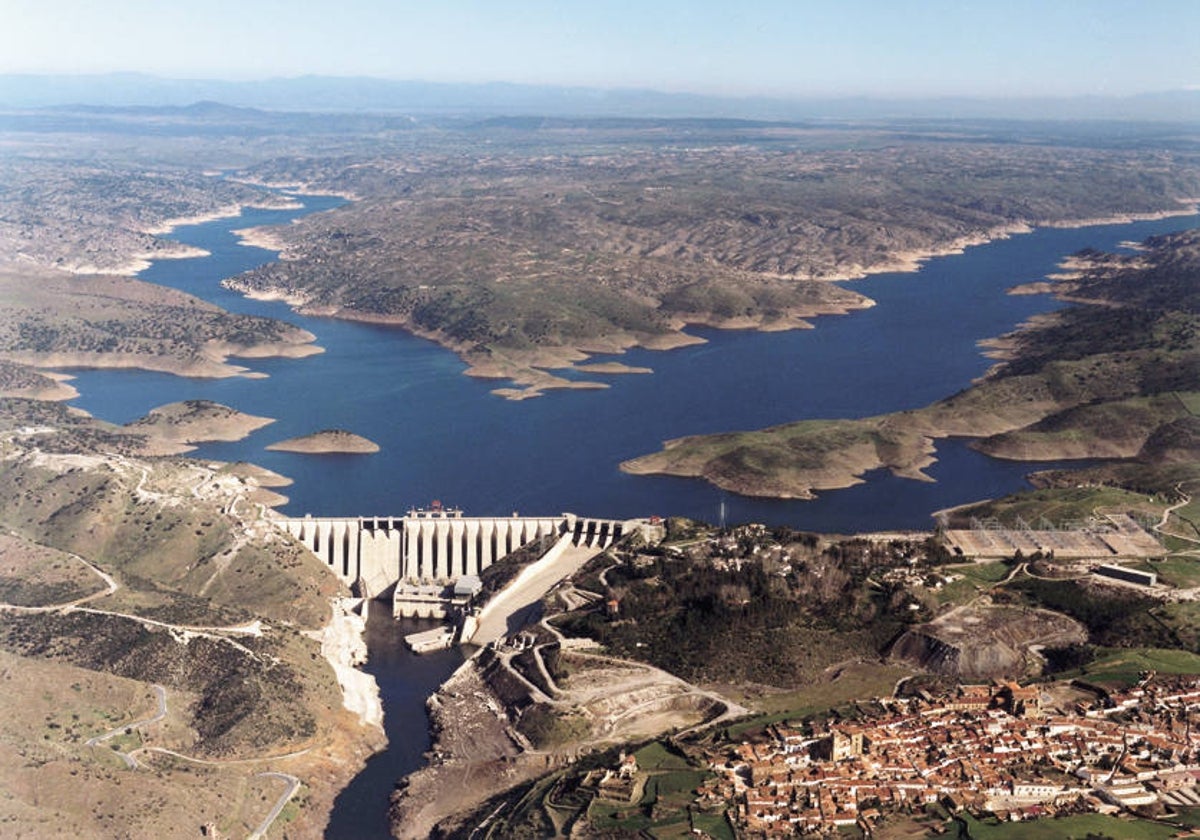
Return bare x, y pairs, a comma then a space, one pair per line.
1126, 574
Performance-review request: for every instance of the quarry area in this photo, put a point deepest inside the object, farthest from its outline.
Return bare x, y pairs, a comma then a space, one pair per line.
532, 703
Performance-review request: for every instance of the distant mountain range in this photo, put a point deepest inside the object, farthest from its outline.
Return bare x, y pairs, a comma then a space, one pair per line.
362, 94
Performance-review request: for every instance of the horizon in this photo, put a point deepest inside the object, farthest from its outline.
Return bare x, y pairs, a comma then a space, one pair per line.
770, 49
616, 89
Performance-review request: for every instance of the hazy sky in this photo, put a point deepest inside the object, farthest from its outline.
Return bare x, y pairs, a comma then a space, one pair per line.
774, 47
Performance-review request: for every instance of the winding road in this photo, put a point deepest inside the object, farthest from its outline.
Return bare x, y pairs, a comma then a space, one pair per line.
183, 631
127, 757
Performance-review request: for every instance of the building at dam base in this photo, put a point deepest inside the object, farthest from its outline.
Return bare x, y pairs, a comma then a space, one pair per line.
417, 559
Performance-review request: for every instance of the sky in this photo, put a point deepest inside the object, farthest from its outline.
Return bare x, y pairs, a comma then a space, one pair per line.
900, 48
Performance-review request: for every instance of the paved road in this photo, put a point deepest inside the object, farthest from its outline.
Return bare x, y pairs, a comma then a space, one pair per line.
293, 785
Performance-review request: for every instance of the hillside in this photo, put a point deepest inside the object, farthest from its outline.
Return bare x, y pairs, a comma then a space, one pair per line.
51, 319
545, 244
132, 584
173, 428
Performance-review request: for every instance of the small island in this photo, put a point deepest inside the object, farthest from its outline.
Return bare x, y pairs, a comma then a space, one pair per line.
327, 442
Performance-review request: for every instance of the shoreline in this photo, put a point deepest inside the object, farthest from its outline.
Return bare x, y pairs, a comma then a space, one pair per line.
1188, 207
229, 211
181, 426
263, 237
138, 263
909, 261
213, 364
845, 470
844, 466
59, 389
533, 376
329, 442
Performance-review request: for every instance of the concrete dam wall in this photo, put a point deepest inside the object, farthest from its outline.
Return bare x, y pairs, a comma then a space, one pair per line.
434, 547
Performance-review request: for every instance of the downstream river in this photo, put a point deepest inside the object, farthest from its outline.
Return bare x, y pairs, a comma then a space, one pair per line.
443, 435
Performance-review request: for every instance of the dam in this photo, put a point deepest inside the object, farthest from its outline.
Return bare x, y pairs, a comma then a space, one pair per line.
413, 558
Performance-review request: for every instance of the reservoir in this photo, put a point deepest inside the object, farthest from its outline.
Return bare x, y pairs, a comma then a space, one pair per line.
443, 435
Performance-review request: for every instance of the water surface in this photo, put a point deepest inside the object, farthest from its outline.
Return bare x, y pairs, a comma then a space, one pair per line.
405, 681
444, 436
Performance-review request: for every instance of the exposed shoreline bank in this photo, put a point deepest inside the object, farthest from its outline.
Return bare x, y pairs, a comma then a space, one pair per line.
213, 364
909, 261
229, 211
328, 442
1020, 416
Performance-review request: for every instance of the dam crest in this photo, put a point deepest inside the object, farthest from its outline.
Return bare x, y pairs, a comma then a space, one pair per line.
430, 548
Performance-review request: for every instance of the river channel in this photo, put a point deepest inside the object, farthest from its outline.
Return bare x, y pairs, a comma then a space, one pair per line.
443, 435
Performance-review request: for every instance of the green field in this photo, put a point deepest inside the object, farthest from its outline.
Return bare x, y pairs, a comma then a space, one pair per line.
1075, 827
656, 756
1124, 666
714, 825
1187, 520
1184, 619
1062, 505
1189, 817
1181, 572
604, 816
859, 681
1190, 400
975, 577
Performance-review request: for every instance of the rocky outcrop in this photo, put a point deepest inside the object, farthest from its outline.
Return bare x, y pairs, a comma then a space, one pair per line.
984, 642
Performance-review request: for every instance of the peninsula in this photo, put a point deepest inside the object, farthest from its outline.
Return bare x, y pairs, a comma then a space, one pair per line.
1115, 376
179, 425
52, 319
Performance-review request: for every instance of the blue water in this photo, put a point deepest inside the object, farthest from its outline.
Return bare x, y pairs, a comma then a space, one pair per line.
405, 681
444, 436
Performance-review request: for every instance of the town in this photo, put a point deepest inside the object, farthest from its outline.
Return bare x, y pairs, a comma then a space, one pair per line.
1001, 749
